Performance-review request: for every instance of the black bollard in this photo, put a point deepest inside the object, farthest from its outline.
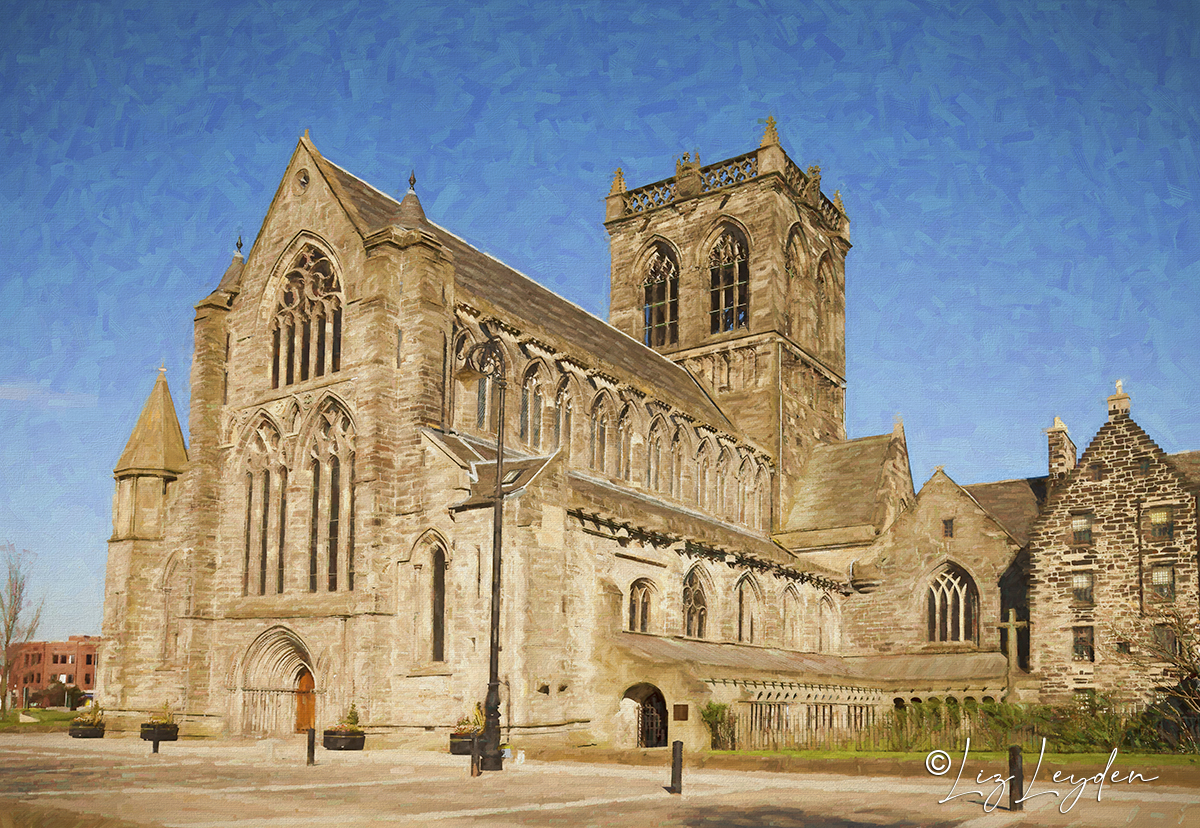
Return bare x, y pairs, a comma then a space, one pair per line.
476, 756
1016, 787
154, 749
677, 767
312, 746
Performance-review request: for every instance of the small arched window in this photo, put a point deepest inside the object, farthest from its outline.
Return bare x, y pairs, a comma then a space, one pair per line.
729, 283
695, 606
331, 526
792, 623
437, 604
703, 474
306, 331
661, 289
625, 445
827, 628
639, 606
599, 432
531, 411
676, 478
952, 605
726, 486
747, 608
562, 420
654, 458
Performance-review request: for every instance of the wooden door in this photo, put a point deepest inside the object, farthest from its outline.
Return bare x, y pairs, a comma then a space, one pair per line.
306, 702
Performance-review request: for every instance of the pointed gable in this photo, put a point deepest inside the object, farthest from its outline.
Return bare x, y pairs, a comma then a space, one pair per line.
156, 444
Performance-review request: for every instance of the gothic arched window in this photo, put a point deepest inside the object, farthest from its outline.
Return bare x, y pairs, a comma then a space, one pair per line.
531, 411
675, 483
654, 458
661, 288
703, 473
729, 283
306, 331
747, 607
953, 606
827, 631
726, 486
562, 420
625, 445
437, 604
639, 606
331, 520
695, 606
599, 436
266, 501
792, 623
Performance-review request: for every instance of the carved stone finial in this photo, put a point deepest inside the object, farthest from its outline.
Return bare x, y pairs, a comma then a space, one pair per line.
162, 368
412, 181
1059, 425
306, 132
239, 243
618, 185
1120, 390
837, 202
771, 135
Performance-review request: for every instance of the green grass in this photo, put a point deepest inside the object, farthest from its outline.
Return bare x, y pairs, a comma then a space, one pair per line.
1123, 757
48, 721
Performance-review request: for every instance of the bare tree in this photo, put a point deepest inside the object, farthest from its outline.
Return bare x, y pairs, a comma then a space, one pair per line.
19, 618
1172, 650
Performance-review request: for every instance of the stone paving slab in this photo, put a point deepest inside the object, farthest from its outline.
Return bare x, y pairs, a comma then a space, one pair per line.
52, 780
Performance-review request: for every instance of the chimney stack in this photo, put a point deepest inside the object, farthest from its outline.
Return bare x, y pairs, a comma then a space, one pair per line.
1062, 450
1118, 404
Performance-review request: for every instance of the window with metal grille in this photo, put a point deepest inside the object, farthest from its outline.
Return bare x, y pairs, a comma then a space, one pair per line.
953, 606
948, 528
1081, 587
1162, 582
1162, 522
661, 289
729, 290
1081, 528
1084, 647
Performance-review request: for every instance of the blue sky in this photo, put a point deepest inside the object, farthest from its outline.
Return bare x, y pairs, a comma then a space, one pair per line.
1021, 178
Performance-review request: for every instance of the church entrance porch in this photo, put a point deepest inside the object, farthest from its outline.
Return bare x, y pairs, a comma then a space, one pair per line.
277, 691
651, 714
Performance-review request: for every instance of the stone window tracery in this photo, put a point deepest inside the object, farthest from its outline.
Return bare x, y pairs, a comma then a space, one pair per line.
625, 445
563, 409
661, 295
640, 594
747, 606
654, 458
729, 283
695, 606
599, 436
266, 502
306, 330
953, 606
331, 520
531, 411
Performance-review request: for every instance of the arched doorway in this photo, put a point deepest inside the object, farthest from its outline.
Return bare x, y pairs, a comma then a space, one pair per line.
277, 687
306, 701
651, 715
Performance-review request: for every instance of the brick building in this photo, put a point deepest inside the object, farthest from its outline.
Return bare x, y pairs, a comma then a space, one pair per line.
38, 664
685, 519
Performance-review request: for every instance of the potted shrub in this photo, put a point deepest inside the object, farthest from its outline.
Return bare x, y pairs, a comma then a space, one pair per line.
160, 727
346, 734
88, 725
465, 731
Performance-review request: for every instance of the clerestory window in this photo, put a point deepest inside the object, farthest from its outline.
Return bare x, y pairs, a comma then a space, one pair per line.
306, 331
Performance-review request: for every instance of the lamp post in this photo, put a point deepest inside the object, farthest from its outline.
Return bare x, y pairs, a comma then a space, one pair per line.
488, 359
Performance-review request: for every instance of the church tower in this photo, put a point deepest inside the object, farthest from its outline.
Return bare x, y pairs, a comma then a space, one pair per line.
736, 270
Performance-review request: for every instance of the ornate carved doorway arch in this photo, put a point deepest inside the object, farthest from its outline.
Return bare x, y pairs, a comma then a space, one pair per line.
277, 685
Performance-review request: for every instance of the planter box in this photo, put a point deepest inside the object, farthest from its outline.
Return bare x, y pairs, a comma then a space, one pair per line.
160, 732
86, 731
460, 743
341, 740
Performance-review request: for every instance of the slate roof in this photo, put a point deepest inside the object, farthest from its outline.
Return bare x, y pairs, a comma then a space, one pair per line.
156, 443
839, 485
710, 659
1014, 504
1187, 463
518, 296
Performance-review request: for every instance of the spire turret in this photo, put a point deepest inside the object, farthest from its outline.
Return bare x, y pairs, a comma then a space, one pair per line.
156, 445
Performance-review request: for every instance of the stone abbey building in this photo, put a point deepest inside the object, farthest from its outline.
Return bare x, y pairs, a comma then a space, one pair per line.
685, 518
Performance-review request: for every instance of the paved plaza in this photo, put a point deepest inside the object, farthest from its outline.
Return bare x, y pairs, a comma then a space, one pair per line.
51, 780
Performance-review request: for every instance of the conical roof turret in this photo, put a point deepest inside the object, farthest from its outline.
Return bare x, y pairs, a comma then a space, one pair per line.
156, 444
